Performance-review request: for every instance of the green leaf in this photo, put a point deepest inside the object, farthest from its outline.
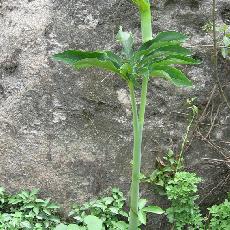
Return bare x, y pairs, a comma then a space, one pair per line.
166, 52
46, 211
153, 209
117, 61
25, 225
148, 47
34, 192
126, 39
114, 210
93, 222
2, 190
94, 62
142, 217
73, 56
61, 227
178, 59
172, 49
86, 59
74, 227
39, 201
126, 70
53, 206
142, 203
224, 52
120, 225
36, 210
170, 36
170, 73
108, 200
163, 39
226, 41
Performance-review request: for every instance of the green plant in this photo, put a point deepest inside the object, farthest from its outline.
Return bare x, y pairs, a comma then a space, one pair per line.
220, 216
223, 37
143, 210
224, 33
184, 213
25, 210
153, 59
109, 210
181, 191
166, 168
194, 109
164, 171
90, 223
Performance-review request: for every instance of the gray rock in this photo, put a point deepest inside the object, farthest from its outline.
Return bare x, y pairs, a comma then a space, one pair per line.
69, 133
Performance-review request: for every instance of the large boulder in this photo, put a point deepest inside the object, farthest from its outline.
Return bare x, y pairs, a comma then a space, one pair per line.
69, 133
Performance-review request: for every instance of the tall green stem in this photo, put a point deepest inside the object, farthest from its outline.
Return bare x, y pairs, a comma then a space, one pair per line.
146, 25
134, 196
138, 123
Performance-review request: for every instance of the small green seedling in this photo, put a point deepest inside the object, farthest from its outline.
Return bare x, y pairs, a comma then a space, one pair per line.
155, 58
224, 30
223, 36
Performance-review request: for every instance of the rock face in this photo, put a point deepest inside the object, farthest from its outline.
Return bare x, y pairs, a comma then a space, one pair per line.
69, 133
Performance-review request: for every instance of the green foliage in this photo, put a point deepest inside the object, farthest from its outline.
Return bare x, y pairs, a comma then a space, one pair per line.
166, 168
25, 211
109, 210
69, 227
181, 191
220, 216
164, 171
154, 58
86, 59
90, 222
143, 210
223, 32
93, 222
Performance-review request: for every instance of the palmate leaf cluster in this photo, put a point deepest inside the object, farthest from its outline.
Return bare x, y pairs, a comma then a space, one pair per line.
155, 58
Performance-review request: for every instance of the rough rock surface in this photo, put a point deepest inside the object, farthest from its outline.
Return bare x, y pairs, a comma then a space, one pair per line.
69, 133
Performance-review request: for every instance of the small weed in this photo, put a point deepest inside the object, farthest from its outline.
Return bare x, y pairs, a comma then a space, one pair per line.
164, 171
220, 216
109, 210
181, 191
26, 211
166, 168
223, 37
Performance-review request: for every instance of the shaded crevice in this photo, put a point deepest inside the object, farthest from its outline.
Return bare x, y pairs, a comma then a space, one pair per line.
225, 14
